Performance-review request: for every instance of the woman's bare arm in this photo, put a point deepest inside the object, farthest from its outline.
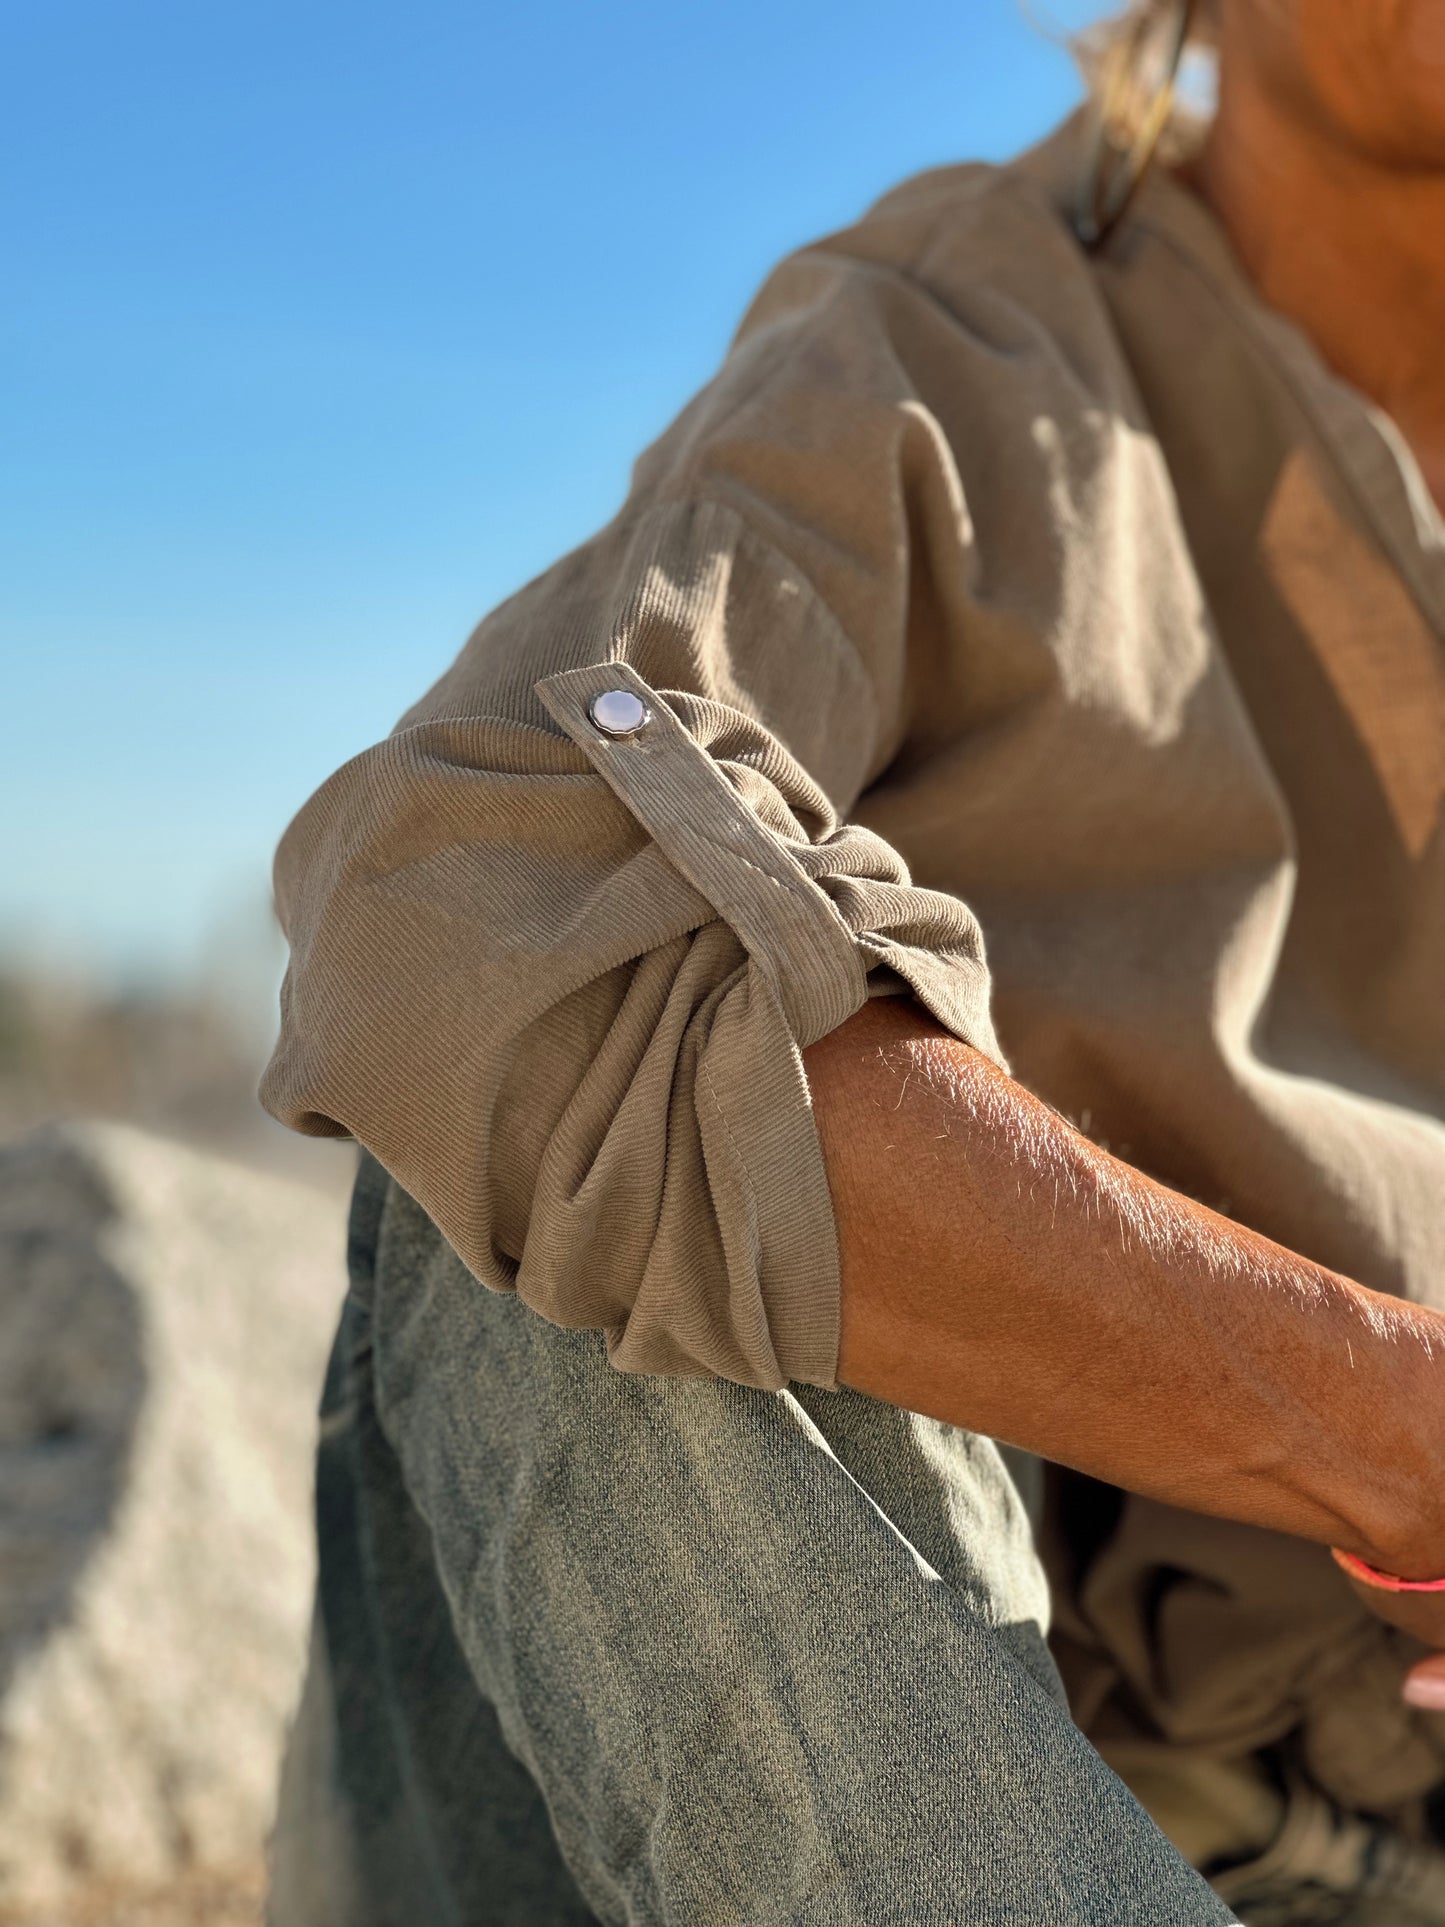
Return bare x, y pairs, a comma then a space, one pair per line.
1002, 1272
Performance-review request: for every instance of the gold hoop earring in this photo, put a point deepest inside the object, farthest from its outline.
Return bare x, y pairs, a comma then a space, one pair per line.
1119, 154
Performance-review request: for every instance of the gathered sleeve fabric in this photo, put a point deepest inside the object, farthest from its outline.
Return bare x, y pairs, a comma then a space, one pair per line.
559, 981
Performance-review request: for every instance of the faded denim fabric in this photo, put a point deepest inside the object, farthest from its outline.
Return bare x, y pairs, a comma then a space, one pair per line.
592, 1645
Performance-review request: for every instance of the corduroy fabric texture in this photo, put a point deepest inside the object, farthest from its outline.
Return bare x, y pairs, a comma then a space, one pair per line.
590, 964
990, 586
915, 559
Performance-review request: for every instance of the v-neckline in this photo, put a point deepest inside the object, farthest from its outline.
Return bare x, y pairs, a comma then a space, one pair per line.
1370, 454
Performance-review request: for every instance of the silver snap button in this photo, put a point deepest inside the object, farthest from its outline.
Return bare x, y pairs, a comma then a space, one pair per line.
617, 712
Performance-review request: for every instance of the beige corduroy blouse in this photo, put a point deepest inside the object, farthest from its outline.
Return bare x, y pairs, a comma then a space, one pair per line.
1049, 636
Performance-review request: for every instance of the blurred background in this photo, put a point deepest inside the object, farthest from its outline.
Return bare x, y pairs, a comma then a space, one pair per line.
325, 327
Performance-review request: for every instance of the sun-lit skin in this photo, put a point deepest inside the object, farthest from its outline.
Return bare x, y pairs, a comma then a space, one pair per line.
999, 1270
1002, 1272
1326, 163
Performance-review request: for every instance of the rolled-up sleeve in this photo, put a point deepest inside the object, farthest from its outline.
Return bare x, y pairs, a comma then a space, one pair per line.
556, 976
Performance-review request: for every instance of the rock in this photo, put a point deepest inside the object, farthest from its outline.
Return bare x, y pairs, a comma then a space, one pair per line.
164, 1321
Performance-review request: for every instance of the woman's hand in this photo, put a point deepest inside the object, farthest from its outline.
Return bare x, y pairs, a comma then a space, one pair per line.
1425, 1684
1422, 1615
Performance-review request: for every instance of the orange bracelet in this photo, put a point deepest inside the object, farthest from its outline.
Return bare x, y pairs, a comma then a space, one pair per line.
1382, 1581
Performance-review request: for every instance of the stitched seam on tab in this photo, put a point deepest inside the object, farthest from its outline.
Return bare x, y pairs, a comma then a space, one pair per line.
820, 903
788, 885
692, 847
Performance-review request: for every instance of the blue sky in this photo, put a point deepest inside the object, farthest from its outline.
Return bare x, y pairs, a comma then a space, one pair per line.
326, 326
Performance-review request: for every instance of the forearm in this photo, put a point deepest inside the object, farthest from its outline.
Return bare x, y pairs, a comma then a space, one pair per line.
1003, 1273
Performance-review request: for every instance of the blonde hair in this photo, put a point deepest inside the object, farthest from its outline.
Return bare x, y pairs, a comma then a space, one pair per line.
1123, 59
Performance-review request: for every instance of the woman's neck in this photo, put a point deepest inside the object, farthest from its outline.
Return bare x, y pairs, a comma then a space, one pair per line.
1350, 248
